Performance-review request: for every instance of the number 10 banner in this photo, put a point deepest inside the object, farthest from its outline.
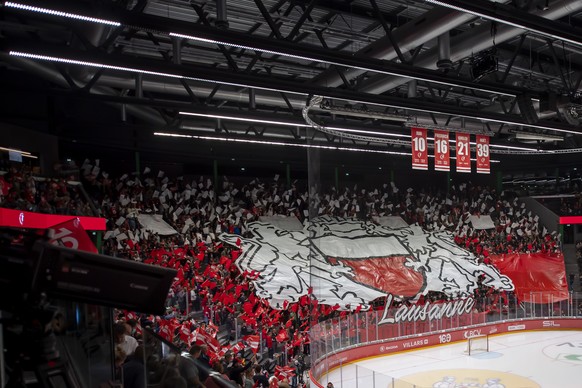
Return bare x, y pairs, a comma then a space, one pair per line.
483, 161
419, 149
463, 152
442, 160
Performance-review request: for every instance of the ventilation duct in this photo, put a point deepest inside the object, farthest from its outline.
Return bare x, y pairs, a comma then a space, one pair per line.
409, 36
464, 45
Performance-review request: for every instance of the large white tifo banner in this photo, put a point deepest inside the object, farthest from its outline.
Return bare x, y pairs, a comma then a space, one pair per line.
351, 263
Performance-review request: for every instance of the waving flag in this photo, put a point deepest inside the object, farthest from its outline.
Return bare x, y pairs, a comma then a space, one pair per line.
71, 234
349, 263
253, 342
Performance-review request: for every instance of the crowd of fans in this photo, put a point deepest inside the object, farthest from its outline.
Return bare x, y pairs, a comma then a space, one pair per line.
211, 296
20, 189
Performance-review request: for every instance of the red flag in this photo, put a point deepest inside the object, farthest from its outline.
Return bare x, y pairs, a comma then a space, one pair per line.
463, 152
253, 341
71, 234
442, 160
419, 149
238, 347
284, 372
483, 162
202, 337
282, 336
186, 334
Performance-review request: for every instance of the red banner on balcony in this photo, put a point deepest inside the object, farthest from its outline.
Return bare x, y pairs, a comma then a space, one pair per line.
483, 161
419, 149
463, 152
30, 220
442, 160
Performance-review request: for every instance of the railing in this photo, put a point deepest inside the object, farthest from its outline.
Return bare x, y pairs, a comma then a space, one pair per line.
333, 336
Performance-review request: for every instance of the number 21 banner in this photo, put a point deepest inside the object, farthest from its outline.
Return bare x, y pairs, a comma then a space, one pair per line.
442, 160
483, 162
419, 149
463, 152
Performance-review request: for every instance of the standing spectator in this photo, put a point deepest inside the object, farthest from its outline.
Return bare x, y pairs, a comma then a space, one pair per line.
124, 342
189, 370
134, 370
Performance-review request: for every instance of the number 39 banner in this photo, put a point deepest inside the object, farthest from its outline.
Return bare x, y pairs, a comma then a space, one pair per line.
463, 152
419, 149
442, 160
483, 161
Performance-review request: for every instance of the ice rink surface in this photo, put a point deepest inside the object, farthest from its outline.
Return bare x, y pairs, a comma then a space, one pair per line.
547, 359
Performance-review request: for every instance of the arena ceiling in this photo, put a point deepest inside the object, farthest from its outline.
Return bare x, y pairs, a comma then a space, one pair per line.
243, 72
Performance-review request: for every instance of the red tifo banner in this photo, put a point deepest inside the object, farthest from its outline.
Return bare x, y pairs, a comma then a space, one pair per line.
482, 154
537, 277
30, 220
442, 161
463, 152
419, 149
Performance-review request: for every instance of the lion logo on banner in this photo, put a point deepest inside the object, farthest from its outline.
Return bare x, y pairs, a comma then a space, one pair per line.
351, 262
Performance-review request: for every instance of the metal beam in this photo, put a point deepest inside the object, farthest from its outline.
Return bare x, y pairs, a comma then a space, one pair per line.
213, 75
513, 17
162, 24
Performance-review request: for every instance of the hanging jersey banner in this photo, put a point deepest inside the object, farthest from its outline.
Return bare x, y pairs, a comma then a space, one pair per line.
483, 162
463, 152
419, 149
442, 161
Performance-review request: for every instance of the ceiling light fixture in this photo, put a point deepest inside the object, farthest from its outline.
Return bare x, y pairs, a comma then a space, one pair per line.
373, 69
242, 47
15, 150
346, 62
278, 143
245, 119
179, 76
24, 154
366, 132
475, 10
535, 136
46, 11
137, 70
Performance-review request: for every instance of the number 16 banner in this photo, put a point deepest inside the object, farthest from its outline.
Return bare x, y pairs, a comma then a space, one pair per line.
442, 160
419, 149
463, 152
483, 162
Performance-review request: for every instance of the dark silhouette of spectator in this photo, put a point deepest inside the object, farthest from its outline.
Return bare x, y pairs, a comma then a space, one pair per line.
134, 370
